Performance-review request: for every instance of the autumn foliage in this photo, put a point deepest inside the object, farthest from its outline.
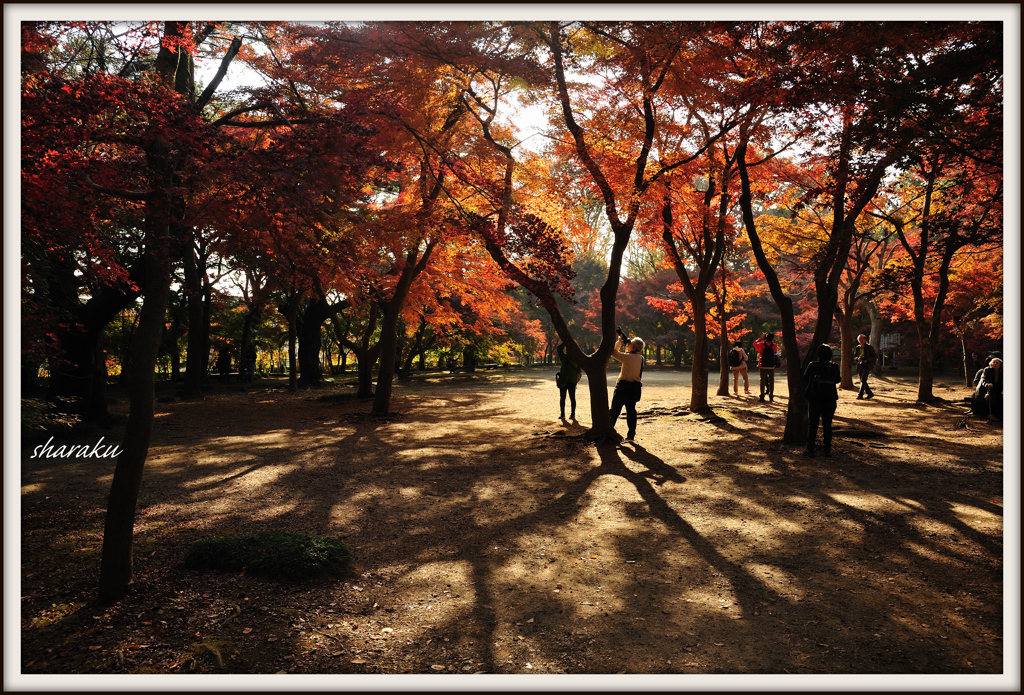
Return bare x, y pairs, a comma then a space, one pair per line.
378, 184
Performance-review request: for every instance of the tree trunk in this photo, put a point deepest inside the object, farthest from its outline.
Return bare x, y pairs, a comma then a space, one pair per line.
310, 342
723, 353
699, 368
292, 314
78, 383
204, 328
388, 345
846, 345
251, 317
364, 369
876, 334
118, 533
196, 350
796, 412
925, 370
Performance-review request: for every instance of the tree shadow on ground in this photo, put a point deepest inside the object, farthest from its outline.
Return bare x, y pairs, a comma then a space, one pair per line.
459, 486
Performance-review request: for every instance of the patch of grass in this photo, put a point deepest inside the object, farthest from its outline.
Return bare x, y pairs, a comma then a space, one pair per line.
338, 396
272, 554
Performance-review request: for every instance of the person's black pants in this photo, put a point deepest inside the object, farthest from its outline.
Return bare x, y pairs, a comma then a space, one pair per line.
571, 390
863, 372
624, 397
823, 411
767, 382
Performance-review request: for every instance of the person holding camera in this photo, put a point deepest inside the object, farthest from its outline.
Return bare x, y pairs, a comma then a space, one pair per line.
628, 385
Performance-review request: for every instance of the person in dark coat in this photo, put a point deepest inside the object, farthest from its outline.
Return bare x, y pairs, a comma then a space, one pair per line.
223, 364
570, 375
992, 380
865, 357
822, 379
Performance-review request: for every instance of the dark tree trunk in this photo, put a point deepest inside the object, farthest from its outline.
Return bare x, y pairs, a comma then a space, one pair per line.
311, 341
699, 368
795, 431
78, 382
846, 345
118, 533
388, 345
723, 353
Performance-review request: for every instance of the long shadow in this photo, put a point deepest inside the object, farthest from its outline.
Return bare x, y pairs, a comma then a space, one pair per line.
751, 591
448, 530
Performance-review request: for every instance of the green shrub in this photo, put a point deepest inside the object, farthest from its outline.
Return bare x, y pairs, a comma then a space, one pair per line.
273, 554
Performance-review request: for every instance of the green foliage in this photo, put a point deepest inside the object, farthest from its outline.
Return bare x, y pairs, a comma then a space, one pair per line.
273, 554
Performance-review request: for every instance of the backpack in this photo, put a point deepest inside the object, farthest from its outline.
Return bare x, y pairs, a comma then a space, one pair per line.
768, 355
823, 386
734, 358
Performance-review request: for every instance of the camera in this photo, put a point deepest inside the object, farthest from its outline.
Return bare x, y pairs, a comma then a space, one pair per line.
621, 334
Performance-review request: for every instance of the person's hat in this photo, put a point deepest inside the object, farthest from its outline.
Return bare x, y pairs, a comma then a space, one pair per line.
995, 353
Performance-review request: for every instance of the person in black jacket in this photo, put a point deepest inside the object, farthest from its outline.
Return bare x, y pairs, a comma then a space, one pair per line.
865, 357
992, 380
822, 379
569, 376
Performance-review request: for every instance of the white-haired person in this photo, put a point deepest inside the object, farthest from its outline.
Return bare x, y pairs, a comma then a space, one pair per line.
628, 385
865, 356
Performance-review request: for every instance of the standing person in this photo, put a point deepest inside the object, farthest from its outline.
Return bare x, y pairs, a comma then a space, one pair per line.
223, 364
738, 362
767, 354
250, 363
865, 357
569, 375
822, 378
628, 385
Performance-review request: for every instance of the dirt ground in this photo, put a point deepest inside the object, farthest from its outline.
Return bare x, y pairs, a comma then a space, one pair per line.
489, 538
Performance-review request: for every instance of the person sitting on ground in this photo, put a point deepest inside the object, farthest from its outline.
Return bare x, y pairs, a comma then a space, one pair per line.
992, 380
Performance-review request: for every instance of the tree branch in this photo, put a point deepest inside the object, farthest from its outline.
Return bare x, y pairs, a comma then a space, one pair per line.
207, 94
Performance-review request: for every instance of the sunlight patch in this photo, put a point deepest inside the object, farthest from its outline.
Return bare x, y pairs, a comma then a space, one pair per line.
976, 518
775, 579
260, 476
870, 503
